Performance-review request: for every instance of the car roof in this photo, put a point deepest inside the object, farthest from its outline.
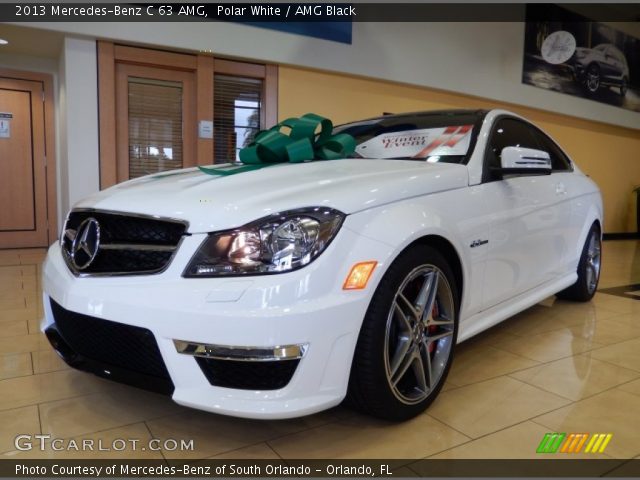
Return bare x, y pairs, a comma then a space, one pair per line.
446, 112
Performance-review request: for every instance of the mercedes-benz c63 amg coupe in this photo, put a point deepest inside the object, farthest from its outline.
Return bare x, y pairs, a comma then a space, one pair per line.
277, 292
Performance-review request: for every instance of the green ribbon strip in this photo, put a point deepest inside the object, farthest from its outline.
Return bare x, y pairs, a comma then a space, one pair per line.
302, 144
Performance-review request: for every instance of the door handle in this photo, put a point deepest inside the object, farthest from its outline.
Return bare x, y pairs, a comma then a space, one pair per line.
560, 189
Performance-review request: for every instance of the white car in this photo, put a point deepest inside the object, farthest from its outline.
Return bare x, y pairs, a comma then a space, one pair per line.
277, 292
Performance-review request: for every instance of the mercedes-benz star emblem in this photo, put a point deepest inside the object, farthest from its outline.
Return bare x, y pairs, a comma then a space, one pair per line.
84, 245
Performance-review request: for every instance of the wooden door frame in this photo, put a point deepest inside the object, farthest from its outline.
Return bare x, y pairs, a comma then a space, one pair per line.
202, 66
49, 144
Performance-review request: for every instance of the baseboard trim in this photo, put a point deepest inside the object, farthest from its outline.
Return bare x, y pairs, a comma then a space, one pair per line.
621, 236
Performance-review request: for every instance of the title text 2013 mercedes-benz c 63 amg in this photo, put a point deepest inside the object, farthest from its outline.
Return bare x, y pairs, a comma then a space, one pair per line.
275, 290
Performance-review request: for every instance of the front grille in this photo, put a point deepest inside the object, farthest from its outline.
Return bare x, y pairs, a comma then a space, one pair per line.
267, 375
126, 244
110, 343
131, 261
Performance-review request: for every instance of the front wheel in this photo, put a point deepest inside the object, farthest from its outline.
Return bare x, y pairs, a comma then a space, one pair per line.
593, 79
588, 269
408, 336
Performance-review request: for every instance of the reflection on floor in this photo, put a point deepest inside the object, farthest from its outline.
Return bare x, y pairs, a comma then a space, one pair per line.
557, 367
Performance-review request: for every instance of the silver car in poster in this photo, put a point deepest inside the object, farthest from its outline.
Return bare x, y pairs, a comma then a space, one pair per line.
602, 66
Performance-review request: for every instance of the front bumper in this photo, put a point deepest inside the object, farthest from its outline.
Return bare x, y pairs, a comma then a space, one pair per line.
305, 307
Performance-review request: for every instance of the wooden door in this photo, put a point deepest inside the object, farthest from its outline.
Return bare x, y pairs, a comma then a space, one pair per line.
120, 66
156, 121
23, 184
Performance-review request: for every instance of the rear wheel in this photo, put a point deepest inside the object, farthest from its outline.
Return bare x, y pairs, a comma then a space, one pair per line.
407, 339
588, 269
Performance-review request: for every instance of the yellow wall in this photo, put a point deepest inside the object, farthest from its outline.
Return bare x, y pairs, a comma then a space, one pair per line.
610, 155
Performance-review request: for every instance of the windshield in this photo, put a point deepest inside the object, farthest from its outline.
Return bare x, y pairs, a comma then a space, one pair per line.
432, 137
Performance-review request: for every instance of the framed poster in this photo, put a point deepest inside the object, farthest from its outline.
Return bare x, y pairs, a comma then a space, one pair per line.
584, 58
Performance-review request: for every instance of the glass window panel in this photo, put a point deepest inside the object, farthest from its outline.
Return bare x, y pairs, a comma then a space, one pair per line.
155, 126
237, 110
243, 137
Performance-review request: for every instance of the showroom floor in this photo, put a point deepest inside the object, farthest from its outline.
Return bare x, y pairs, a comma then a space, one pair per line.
559, 366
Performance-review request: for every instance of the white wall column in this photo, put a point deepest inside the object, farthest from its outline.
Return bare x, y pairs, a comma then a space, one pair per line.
79, 162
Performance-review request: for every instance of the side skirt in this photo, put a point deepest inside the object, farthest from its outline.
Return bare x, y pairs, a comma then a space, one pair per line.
479, 322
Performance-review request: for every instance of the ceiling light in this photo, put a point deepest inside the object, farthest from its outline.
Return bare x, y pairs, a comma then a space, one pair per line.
3, 41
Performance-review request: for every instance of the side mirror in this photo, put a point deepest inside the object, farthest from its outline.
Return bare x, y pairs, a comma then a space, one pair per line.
524, 161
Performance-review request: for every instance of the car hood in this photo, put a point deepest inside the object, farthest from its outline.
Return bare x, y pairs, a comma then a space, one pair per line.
212, 202
582, 52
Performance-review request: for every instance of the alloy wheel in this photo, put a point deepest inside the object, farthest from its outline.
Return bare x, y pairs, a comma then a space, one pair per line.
593, 261
419, 334
593, 80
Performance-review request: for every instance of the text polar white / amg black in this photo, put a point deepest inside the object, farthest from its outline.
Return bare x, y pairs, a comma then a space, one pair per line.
276, 292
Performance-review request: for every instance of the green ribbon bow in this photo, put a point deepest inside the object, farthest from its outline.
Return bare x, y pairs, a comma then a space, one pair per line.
300, 145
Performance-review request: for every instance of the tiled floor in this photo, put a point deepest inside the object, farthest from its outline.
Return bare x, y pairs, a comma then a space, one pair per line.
558, 366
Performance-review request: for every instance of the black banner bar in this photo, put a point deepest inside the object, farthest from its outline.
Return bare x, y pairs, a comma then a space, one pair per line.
546, 466
309, 12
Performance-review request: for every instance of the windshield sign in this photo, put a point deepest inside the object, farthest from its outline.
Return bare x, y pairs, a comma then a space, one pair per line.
418, 144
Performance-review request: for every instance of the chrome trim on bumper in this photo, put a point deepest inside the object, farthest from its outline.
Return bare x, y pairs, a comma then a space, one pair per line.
241, 354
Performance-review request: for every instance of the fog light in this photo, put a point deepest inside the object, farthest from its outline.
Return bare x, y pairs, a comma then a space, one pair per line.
359, 276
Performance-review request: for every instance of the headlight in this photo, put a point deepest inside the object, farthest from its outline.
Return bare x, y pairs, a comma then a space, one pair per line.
275, 244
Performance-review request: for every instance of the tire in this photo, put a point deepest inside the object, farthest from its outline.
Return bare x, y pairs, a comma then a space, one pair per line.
592, 78
392, 325
588, 269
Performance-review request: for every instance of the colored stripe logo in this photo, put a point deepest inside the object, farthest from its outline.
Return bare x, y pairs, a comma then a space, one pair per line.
574, 442
598, 443
550, 442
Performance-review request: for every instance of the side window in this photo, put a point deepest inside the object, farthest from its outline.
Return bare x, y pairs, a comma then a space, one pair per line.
508, 132
559, 161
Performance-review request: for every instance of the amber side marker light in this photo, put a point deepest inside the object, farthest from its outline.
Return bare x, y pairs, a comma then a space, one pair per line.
359, 276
